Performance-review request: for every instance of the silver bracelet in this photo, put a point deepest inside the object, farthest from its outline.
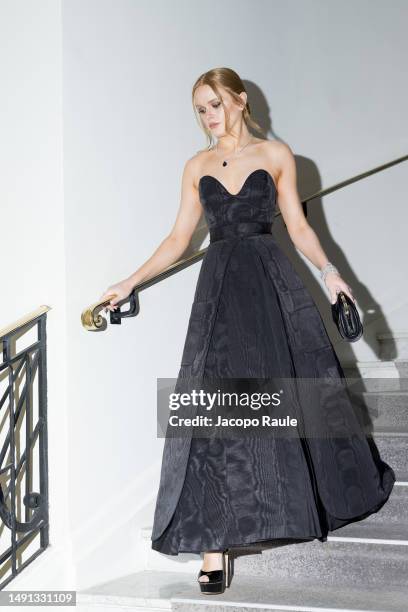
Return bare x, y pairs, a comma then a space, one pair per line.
329, 267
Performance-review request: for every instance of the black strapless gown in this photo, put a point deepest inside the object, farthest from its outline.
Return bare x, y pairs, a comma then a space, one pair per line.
252, 316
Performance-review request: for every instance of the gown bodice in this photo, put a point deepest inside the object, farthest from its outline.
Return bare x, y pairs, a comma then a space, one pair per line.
254, 202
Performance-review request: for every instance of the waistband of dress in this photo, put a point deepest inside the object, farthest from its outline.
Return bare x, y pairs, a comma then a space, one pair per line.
244, 228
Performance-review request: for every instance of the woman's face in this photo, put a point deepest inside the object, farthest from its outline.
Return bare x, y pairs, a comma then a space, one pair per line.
211, 111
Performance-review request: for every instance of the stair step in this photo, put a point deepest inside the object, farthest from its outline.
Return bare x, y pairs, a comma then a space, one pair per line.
378, 375
369, 530
393, 345
381, 410
389, 523
393, 449
356, 562
156, 591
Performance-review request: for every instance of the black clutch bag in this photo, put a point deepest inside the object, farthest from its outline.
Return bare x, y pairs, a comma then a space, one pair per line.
345, 316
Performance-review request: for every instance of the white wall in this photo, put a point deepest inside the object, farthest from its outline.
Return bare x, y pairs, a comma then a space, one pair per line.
32, 232
326, 77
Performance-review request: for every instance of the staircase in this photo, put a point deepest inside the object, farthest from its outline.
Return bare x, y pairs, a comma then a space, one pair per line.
362, 566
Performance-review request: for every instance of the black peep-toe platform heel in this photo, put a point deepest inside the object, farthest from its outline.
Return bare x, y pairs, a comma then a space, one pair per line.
218, 580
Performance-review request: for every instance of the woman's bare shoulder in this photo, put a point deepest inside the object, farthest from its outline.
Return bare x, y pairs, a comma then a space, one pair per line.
278, 148
279, 155
194, 165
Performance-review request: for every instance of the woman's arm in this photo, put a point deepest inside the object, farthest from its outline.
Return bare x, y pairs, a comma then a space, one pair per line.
174, 244
301, 233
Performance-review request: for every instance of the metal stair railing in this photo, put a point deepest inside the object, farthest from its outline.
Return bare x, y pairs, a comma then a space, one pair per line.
23, 411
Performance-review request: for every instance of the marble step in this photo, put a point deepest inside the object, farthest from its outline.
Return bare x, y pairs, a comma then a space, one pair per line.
152, 591
393, 449
381, 410
393, 346
353, 561
389, 523
378, 375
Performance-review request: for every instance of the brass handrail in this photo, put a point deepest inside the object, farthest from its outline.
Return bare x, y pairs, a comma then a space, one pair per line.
93, 321
34, 314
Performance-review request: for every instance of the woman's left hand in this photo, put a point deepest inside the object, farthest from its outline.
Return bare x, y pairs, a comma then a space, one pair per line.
335, 284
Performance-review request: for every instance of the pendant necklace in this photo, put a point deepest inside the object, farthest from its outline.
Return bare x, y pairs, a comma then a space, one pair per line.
225, 162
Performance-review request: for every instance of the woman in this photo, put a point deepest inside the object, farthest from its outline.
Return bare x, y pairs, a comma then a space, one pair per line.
251, 316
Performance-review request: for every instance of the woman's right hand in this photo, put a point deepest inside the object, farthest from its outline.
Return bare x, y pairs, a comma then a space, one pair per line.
121, 291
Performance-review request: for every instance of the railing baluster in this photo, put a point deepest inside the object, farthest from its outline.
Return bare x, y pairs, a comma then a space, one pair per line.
34, 506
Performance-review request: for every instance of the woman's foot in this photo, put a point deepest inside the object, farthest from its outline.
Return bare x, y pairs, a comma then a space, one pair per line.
212, 561
216, 572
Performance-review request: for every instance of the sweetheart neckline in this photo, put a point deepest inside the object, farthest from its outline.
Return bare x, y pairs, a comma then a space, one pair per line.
234, 195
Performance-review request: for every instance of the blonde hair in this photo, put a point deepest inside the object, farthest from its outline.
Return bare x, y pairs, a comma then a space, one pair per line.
232, 83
